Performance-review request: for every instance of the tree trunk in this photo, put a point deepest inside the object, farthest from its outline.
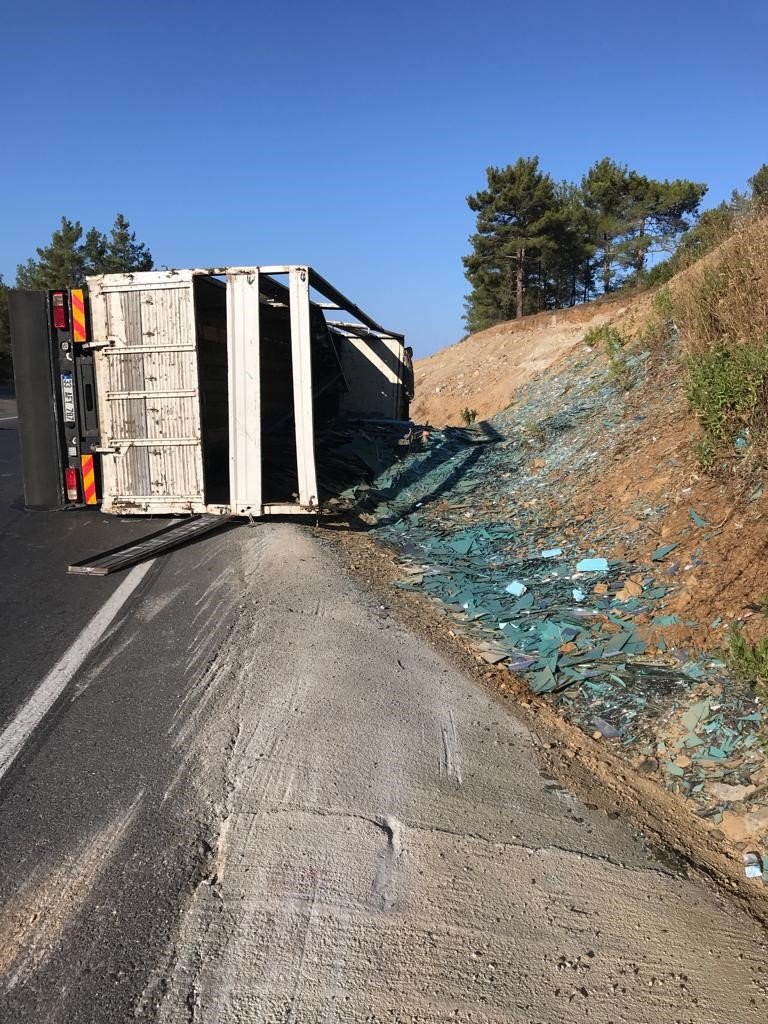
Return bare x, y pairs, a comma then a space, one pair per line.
519, 292
640, 255
606, 268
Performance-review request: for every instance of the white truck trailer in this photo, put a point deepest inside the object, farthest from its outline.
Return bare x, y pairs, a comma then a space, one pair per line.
211, 388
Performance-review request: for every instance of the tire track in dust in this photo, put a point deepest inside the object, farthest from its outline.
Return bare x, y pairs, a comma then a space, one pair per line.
33, 930
450, 756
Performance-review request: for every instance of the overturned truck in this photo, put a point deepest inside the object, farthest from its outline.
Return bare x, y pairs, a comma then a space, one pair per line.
200, 391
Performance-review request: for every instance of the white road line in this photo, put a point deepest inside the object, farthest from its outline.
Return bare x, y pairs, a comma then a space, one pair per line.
4, 418
15, 735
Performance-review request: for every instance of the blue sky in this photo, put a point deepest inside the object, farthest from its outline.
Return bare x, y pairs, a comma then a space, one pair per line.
347, 135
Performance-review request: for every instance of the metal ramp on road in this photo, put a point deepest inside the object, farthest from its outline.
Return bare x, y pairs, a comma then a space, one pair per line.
139, 551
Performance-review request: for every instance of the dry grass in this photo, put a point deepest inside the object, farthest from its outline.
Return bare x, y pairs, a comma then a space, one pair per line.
720, 309
723, 299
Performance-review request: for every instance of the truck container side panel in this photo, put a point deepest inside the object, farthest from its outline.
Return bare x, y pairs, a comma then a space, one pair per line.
244, 393
100, 334
373, 368
171, 417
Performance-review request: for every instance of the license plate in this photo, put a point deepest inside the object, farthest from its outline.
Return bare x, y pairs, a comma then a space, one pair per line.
68, 397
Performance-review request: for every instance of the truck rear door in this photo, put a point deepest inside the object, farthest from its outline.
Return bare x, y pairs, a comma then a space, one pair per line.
145, 346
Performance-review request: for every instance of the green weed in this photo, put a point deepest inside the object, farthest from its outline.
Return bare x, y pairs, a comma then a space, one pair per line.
614, 343
705, 454
534, 433
663, 304
468, 416
728, 390
748, 661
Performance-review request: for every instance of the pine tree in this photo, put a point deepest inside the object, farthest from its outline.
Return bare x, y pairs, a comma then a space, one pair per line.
94, 252
658, 217
58, 265
758, 184
123, 252
514, 220
632, 214
606, 191
69, 258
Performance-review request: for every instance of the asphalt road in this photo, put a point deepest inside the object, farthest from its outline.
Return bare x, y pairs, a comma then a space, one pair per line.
259, 797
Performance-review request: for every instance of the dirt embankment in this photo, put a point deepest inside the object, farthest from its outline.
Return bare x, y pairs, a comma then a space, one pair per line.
483, 371
650, 463
598, 453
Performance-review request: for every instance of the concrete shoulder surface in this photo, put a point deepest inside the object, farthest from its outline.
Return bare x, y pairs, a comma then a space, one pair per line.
387, 849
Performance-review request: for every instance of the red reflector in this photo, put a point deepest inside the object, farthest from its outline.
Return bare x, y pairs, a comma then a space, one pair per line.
59, 311
70, 482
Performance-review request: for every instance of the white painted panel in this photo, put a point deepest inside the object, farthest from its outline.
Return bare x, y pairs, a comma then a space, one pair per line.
301, 354
244, 393
148, 399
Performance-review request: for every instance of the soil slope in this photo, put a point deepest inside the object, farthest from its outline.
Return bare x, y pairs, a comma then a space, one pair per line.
483, 371
595, 455
646, 462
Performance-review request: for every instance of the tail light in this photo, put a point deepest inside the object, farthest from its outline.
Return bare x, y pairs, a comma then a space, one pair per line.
59, 308
70, 482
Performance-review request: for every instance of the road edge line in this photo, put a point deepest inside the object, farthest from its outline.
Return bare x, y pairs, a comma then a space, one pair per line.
30, 715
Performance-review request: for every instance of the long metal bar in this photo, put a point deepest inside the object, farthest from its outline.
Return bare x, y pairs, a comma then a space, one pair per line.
359, 330
326, 288
113, 396
152, 442
243, 341
148, 547
285, 508
128, 350
157, 499
301, 354
146, 279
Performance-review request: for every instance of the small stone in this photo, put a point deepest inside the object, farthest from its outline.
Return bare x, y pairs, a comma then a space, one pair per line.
738, 827
723, 791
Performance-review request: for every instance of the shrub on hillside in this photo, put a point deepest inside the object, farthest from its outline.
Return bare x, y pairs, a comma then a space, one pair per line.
614, 343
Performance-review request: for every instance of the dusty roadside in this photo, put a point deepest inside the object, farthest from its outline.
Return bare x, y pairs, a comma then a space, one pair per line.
392, 845
586, 766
